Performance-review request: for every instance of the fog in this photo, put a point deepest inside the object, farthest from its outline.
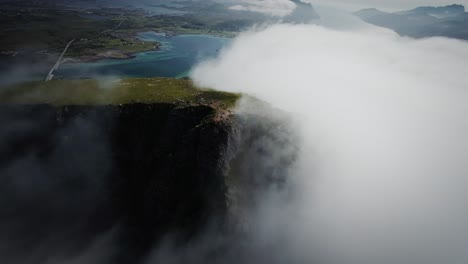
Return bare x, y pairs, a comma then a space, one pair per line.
383, 157
277, 8
53, 188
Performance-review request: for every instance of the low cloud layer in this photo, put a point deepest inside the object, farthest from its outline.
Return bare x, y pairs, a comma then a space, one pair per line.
277, 8
383, 169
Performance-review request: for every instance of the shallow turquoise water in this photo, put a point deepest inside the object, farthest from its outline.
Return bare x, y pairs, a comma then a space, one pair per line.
175, 59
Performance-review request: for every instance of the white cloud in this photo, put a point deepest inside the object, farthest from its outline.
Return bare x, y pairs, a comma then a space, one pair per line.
278, 8
384, 159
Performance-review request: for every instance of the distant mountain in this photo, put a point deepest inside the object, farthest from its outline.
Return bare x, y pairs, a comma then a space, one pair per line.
447, 21
369, 13
303, 13
439, 12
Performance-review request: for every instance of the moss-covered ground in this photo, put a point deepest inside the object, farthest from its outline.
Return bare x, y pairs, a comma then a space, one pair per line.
115, 92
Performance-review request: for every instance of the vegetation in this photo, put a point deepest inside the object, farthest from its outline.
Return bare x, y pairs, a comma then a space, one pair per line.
114, 92
103, 33
47, 31
111, 32
109, 47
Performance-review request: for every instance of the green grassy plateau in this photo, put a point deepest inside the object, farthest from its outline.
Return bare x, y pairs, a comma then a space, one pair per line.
115, 92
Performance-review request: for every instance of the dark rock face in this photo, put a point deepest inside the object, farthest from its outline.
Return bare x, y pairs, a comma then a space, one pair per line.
110, 184
74, 172
171, 163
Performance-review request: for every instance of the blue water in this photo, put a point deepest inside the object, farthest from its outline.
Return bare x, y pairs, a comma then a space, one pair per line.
175, 59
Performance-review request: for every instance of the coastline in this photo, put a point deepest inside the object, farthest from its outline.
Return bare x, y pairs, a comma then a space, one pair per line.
150, 62
122, 55
114, 54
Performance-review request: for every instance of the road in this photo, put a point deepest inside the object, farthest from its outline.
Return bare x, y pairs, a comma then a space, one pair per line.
50, 76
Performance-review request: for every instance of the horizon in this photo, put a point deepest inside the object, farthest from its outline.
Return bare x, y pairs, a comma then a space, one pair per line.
400, 5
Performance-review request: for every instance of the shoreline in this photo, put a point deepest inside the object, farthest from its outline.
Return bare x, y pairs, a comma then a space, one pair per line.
118, 56
131, 55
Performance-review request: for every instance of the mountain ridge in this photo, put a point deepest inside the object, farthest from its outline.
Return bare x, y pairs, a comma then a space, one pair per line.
425, 21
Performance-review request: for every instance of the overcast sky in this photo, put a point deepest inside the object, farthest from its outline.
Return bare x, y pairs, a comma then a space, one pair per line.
386, 4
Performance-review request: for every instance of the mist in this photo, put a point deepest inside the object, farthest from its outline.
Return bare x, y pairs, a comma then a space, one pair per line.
383, 148
53, 190
278, 8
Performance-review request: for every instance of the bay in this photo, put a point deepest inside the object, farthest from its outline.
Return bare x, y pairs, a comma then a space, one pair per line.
175, 58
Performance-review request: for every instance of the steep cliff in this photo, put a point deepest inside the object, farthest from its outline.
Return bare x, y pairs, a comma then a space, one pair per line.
75, 170
74, 167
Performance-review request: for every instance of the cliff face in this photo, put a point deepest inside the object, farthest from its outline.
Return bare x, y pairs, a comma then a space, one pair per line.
77, 171
134, 175
171, 163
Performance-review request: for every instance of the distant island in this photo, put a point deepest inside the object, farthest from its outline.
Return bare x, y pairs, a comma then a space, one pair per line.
427, 21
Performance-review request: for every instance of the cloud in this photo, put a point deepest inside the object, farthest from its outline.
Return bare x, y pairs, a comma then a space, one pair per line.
277, 8
384, 141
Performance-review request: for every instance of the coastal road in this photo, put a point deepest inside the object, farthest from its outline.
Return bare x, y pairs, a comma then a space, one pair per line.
50, 76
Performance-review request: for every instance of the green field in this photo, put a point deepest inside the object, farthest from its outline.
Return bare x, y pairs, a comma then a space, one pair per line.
114, 92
